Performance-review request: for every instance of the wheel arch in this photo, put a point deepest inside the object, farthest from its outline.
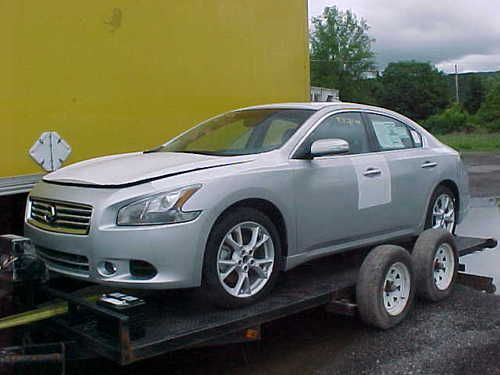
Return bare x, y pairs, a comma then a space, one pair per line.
450, 184
270, 210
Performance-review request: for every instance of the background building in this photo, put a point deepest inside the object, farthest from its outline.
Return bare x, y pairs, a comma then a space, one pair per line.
322, 94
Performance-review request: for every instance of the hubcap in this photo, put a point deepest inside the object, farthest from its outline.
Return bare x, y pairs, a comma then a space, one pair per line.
444, 266
443, 213
245, 259
396, 288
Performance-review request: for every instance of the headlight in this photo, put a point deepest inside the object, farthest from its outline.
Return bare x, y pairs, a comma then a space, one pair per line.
164, 208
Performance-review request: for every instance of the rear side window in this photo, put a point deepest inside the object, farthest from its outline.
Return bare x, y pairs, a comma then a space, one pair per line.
391, 134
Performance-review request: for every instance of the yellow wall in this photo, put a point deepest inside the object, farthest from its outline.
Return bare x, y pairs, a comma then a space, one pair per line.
114, 76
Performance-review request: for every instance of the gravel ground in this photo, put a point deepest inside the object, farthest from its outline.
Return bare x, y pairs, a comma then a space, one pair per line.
459, 336
484, 173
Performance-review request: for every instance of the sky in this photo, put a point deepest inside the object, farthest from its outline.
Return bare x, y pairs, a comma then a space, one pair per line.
443, 32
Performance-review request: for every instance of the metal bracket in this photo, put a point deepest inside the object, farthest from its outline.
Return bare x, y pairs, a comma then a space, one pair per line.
342, 303
482, 283
31, 354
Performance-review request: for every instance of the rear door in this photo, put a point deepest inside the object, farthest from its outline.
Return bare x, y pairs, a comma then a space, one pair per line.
411, 168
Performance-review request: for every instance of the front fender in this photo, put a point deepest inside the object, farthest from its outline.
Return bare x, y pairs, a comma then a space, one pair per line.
217, 196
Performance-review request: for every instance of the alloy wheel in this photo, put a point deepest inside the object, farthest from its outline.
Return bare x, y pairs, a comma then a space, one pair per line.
245, 259
443, 213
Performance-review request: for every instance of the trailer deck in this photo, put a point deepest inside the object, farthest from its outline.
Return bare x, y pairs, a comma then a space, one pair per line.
181, 319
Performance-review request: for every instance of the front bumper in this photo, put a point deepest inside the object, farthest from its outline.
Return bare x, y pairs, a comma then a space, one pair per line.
173, 250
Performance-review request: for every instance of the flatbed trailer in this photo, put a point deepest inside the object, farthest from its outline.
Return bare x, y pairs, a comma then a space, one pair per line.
169, 321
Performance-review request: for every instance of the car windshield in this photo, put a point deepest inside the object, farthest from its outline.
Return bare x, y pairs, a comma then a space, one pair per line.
242, 132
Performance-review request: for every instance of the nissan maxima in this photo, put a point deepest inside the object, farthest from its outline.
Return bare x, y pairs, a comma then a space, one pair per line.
231, 203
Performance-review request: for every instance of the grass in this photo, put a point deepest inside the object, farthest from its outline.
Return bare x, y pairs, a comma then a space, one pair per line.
472, 141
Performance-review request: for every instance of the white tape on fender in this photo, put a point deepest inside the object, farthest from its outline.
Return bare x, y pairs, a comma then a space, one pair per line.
372, 190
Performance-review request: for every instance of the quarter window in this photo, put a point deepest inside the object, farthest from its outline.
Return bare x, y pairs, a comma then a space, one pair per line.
417, 138
390, 134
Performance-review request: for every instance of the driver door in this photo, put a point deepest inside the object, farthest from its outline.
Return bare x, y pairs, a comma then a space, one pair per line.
332, 212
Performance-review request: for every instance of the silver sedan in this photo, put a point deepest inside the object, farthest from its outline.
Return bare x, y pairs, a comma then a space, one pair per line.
234, 201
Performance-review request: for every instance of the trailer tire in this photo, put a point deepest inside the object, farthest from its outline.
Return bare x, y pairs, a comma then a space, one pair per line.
435, 258
385, 289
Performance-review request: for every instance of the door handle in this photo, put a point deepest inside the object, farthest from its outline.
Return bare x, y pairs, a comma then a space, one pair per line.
370, 172
429, 164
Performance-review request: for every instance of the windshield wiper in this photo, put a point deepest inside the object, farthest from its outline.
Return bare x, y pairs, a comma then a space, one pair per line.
151, 150
210, 153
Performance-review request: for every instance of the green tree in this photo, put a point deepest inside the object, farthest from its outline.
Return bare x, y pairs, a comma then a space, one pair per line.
489, 112
340, 51
415, 89
474, 94
452, 119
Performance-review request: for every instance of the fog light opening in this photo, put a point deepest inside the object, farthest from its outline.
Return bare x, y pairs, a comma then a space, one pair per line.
142, 269
107, 268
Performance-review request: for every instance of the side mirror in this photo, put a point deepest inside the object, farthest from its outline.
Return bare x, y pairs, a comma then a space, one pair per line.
324, 147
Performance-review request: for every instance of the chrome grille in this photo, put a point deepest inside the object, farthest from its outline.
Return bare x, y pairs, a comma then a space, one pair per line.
57, 216
63, 261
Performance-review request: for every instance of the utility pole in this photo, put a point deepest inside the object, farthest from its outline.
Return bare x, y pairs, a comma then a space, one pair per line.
457, 98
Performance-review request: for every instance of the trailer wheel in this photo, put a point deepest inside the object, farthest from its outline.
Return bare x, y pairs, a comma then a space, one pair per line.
385, 287
435, 257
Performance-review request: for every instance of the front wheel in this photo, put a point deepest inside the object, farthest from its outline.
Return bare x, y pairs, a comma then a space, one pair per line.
242, 258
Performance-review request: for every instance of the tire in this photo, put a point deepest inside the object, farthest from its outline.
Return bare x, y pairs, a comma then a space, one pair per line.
372, 288
432, 249
438, 192
223, 293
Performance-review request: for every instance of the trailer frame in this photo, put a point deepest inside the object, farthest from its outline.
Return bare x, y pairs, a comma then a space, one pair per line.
171, 321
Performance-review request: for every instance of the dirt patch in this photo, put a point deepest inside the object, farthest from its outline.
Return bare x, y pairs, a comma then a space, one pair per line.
484, 173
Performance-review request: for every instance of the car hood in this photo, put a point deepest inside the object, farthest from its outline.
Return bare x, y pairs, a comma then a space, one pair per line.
134, 168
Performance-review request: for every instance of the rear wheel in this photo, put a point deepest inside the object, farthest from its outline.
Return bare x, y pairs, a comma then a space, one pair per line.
242, 259
385, 287
441, 213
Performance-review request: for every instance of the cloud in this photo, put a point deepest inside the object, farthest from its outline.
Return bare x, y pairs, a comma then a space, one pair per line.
443, 32
472, 63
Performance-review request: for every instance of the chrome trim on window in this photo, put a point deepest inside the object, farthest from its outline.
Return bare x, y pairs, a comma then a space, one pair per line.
359, 110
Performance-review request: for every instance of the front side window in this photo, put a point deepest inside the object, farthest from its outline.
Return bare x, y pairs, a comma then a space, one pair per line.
241, 132
390, 134
347, 126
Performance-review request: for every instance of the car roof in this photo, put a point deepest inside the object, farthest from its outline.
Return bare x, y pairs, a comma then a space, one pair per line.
294, 105
316, 106
337, 105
